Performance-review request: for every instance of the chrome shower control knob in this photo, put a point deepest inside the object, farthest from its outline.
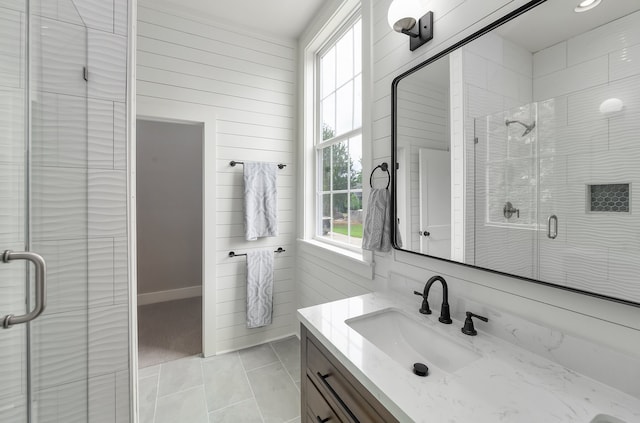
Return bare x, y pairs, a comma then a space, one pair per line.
508, 210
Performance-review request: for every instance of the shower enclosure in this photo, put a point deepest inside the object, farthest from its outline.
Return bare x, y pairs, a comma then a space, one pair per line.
506, 191
521, 195
58, 366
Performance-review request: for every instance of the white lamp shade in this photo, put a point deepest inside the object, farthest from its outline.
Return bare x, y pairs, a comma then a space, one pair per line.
401, 9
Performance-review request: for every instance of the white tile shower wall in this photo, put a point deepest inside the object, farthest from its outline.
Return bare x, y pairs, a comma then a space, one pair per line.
248, 83
11, 47
614, 327
571, 80
79, 209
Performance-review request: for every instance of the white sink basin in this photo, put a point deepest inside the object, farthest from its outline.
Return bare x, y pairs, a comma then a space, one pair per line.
408, 341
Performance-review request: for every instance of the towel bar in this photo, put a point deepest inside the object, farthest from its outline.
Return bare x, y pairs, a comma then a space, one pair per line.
233, 254
232, 163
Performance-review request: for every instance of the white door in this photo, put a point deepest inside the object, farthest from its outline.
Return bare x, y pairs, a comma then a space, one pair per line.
435, 202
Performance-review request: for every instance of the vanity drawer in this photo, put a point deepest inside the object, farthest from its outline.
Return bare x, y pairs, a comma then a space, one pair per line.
318, 407
341, 390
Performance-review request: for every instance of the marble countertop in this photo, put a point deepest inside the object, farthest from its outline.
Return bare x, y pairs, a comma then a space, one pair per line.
507, 384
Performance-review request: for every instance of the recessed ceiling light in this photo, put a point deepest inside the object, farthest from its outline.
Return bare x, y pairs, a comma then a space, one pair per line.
585, 5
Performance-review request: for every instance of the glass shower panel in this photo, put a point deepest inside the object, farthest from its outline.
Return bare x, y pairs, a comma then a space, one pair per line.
59, 213
63, 195
44, 209
13, 194
506, 169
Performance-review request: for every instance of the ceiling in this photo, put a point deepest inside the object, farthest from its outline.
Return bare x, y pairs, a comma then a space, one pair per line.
284, 18
555, 21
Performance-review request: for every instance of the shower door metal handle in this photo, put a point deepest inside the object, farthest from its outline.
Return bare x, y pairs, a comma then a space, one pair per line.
41, 287
554, 234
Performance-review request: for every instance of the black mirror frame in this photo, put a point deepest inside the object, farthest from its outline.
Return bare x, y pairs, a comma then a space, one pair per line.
394, 139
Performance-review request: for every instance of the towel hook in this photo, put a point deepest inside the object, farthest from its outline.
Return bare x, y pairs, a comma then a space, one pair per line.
385, 168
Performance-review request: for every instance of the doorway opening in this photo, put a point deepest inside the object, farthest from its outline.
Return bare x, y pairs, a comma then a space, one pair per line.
169, 239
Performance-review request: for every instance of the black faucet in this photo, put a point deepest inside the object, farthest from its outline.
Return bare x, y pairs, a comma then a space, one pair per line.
445, 317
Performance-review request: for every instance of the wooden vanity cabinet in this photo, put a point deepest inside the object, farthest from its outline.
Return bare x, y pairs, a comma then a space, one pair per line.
330, 393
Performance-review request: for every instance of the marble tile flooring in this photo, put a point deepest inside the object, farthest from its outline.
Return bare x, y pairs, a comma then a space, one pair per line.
259, 384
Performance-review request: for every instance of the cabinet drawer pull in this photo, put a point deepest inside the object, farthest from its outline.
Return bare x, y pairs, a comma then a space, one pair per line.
322, 420
324, 378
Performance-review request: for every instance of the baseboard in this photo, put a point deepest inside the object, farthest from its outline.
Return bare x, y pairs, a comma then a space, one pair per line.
169, 295
255, 344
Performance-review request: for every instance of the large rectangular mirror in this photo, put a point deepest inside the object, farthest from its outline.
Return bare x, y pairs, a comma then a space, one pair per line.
518, 150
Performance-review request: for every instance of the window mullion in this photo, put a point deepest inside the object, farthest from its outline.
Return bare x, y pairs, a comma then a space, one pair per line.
338, 139
349, 191
331, 190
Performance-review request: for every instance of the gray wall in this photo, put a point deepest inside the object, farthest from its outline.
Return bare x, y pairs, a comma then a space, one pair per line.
169, 187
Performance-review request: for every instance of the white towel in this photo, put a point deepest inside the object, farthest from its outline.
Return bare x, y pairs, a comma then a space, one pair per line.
377, 223
260, 200
259, 288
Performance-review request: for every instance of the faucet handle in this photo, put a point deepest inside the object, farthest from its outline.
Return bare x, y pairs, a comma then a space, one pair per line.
468, 328
424, 309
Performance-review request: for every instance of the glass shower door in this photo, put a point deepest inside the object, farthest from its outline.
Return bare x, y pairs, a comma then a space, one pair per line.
43, 209
13, 211
506, 168
553, 194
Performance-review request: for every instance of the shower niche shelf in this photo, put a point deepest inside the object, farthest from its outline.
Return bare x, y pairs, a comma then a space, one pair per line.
608, 198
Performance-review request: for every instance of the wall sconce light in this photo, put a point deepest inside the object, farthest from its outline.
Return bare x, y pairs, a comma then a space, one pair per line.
402, 18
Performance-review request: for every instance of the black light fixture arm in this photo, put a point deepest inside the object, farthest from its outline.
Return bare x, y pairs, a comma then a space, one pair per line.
410, 34
421, 33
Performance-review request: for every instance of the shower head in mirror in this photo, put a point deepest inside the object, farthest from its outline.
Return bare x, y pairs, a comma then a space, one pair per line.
527, 128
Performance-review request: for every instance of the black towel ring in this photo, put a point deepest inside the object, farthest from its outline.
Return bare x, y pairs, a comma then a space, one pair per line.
385, 168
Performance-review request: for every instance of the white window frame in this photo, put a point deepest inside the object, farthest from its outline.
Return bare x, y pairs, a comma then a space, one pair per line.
326, 27
320, 144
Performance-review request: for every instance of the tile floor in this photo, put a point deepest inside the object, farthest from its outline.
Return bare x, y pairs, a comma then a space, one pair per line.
258, 384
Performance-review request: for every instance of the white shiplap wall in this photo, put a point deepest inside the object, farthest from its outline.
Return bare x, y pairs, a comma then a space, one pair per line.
247, 81
603, 322
423, 123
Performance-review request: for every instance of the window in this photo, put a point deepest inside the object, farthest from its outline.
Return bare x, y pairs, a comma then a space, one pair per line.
338, 137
